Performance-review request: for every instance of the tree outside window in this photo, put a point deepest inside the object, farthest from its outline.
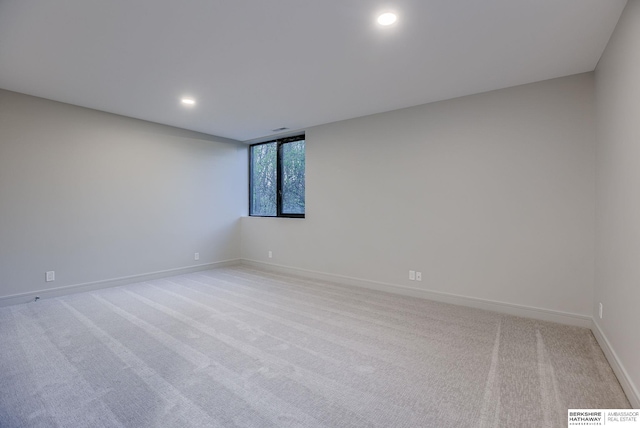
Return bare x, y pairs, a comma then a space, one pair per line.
277, 178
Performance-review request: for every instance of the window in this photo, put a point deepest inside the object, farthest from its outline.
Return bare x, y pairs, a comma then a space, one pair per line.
276, 178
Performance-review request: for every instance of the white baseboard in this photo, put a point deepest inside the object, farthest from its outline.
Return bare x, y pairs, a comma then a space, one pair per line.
114, 282
623, 377
502, 307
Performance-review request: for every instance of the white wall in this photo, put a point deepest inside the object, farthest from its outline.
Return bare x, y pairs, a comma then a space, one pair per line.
618, 195
491, 196
96, 196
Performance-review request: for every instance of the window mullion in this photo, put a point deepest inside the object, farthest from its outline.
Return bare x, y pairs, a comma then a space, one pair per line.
279, 178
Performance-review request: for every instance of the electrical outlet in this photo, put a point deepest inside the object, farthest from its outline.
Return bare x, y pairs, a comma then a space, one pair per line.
270, 254
418, 276
600, 311
50, 276
412, 275
196, 256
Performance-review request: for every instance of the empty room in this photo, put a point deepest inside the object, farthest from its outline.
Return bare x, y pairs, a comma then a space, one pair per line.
411, 213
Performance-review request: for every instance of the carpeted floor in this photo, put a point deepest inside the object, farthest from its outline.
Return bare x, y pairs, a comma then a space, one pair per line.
236, 347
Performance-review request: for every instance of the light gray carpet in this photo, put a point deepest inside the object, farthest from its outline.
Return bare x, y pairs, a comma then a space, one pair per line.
239, 347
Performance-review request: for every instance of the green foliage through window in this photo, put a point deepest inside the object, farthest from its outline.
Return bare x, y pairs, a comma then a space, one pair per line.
277, 178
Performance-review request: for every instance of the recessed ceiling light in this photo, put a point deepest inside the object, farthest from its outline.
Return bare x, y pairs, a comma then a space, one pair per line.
188, 101
387, 18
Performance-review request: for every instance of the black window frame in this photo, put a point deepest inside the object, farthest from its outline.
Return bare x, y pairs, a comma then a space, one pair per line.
280, 142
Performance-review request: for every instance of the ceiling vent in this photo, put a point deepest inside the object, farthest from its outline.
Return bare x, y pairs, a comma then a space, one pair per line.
284, 128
